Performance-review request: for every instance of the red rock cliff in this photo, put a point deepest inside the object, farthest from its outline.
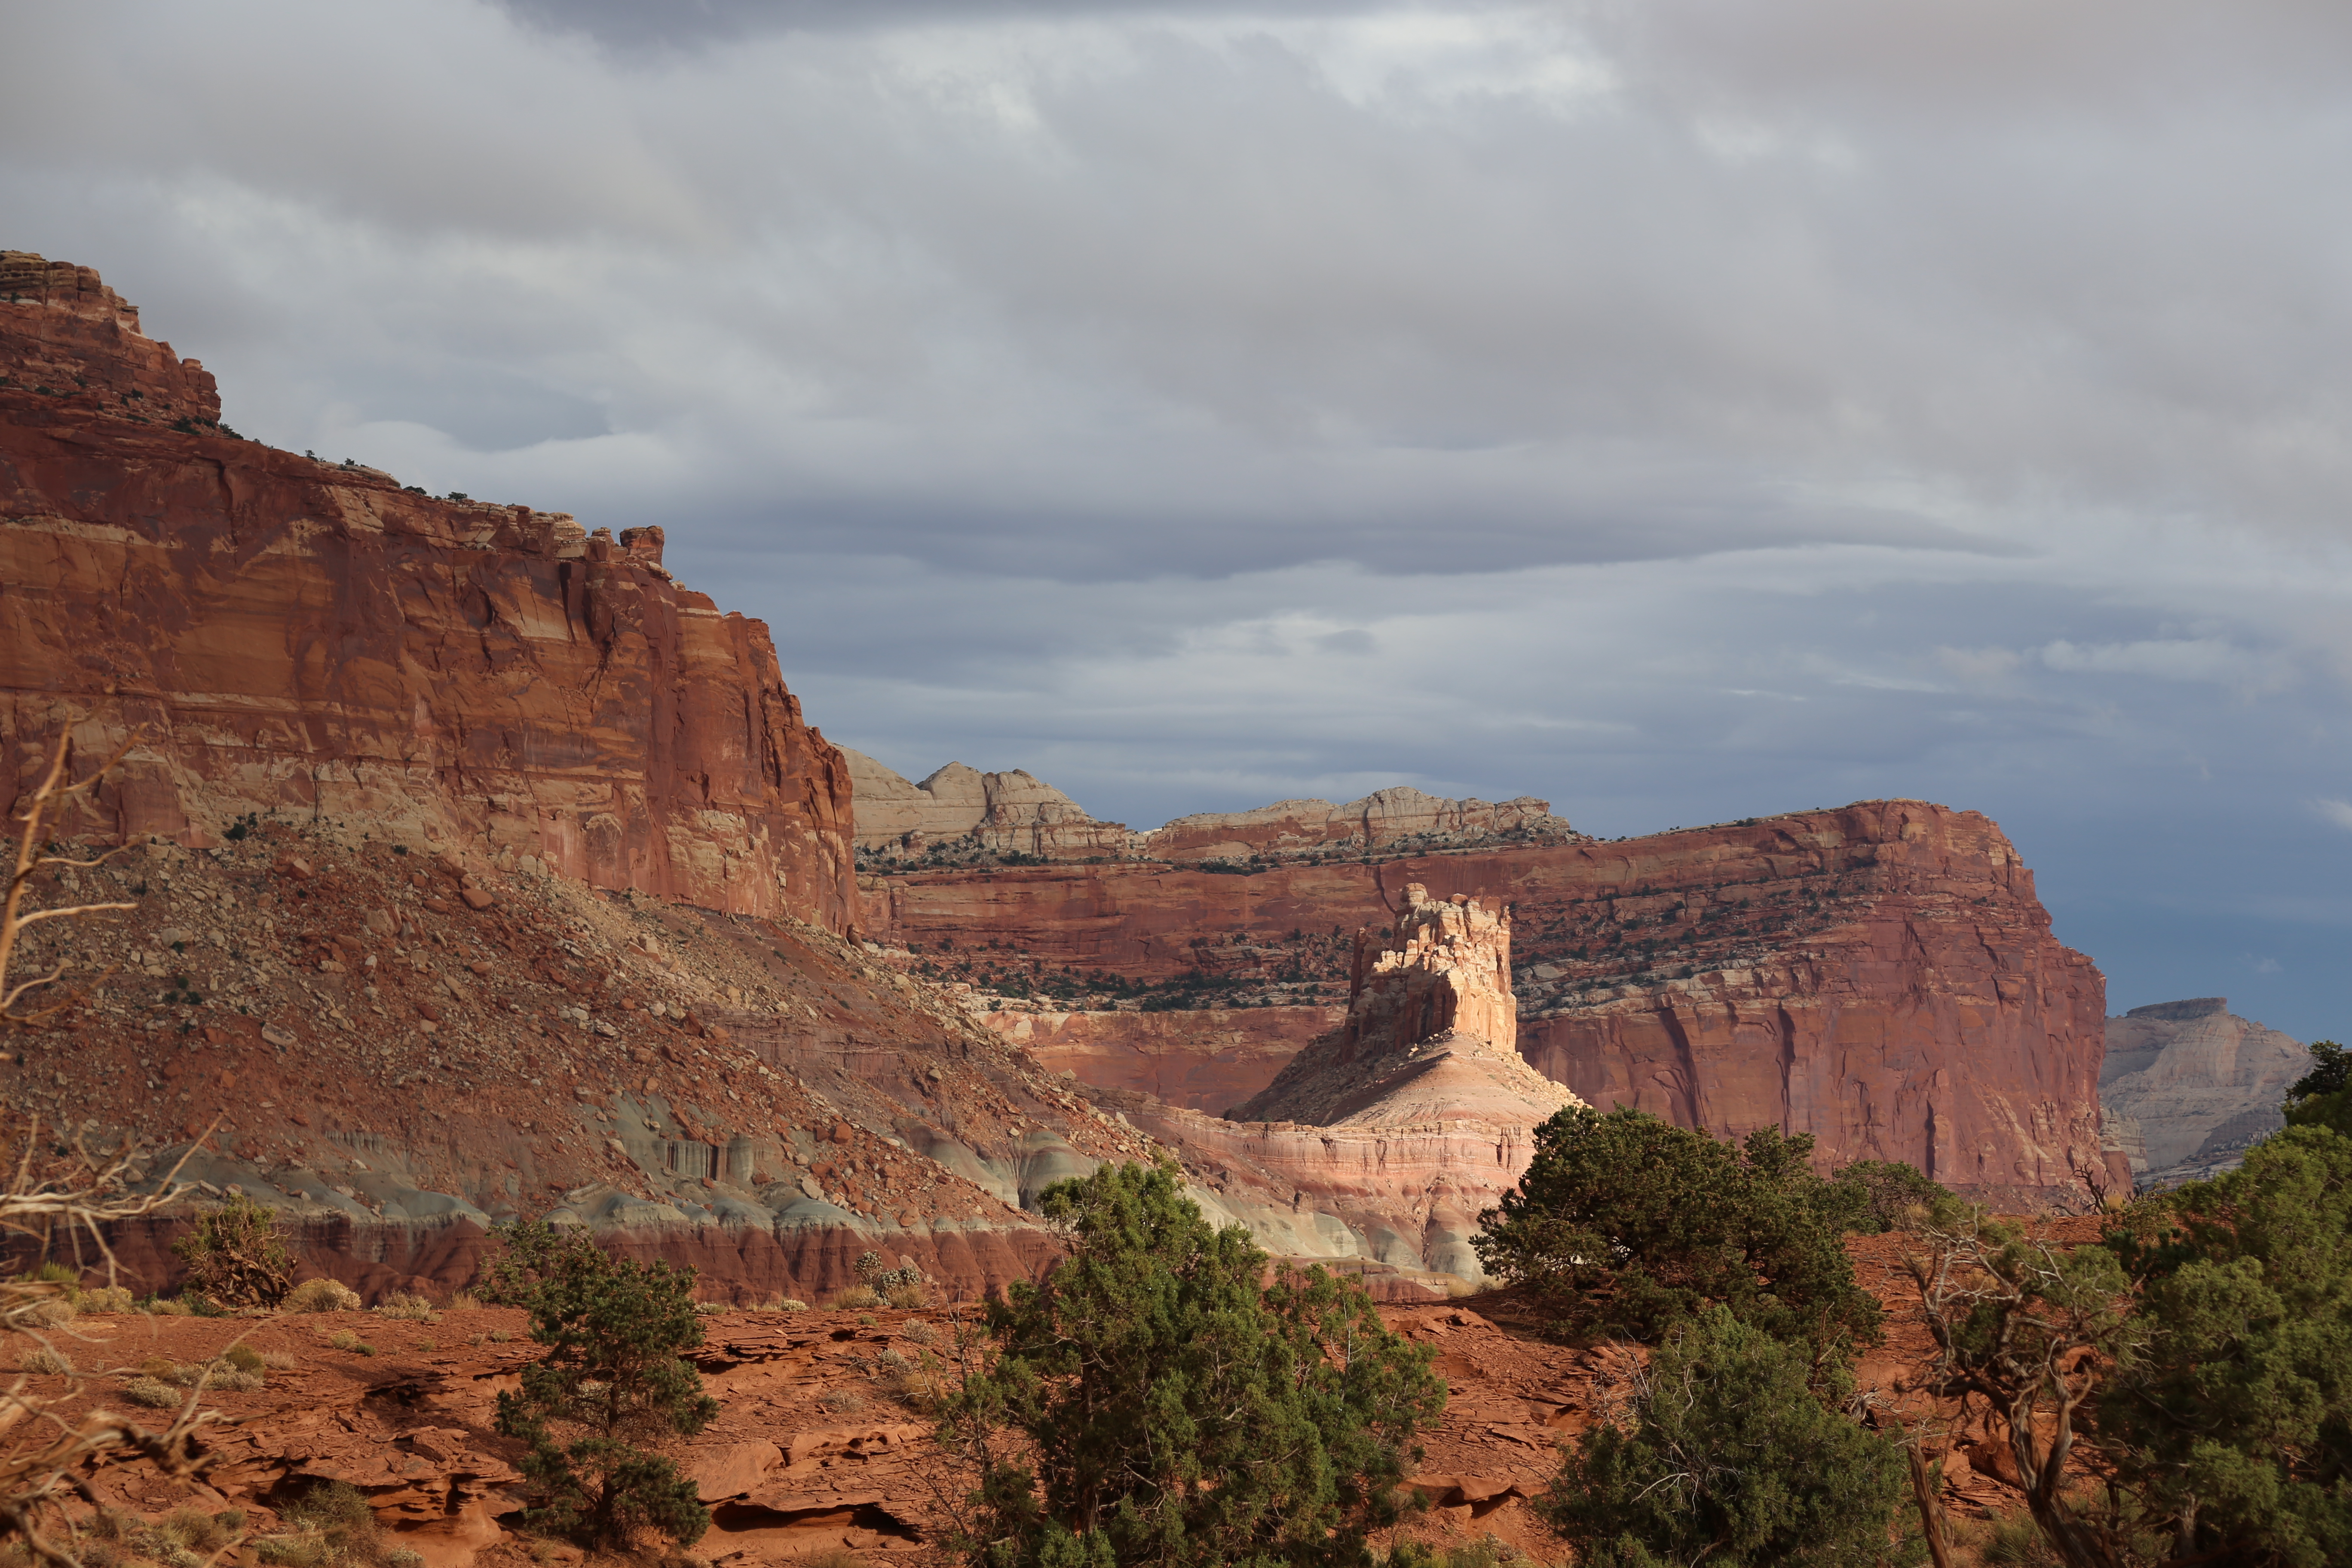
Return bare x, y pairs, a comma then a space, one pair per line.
296, 637
1882, 976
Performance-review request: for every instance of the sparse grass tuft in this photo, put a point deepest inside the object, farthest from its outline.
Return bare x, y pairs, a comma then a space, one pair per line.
841, 1401
147, 1391
48, 1361
410, 1307
323, 1296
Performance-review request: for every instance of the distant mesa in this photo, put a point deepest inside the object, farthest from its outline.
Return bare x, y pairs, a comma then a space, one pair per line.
2187, 1086
1012, 812
961, 808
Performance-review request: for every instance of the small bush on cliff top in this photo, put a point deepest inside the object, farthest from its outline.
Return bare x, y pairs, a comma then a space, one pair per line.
1629, 1226
613, 1382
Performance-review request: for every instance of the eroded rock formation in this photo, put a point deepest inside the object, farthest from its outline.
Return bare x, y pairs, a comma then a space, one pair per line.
294, 636
1431, 1035
2187, 1086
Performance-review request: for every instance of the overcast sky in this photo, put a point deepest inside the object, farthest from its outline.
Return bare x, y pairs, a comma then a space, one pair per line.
1679, 410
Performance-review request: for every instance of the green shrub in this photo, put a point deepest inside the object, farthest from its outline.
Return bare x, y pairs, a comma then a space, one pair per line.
1171, 1409
1872, 1196
1727, 1456
1626, 1224
234, 1257
2323, 1097
612, 1380
2229, 1418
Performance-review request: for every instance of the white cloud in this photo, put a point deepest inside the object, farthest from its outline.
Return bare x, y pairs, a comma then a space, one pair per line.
2338, 812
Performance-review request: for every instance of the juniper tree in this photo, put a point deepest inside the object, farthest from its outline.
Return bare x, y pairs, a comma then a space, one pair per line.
1165, 1406
1626, 1225
1727, 1455
613, 1384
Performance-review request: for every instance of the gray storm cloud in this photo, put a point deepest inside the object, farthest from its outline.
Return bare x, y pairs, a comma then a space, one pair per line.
1681, 410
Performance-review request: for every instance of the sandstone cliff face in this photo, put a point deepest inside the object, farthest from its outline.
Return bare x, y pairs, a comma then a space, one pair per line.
297, 637
1210, 1059
83, 339
2187, 1086
1882, 976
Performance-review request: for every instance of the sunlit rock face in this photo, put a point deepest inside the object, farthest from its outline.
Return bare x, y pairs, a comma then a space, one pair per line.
292, 636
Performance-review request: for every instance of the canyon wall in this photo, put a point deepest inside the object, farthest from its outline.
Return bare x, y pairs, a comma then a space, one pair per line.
299, 637
1882, 975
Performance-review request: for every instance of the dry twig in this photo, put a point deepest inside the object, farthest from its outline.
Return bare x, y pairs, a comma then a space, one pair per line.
33, 856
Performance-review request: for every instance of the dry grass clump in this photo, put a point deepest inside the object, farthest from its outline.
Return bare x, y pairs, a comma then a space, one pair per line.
790, 1304
917, 1329
841, 1401
151, 1392
410, 1307
331, 1526
48, 1361
713, 1308
321, 1296
856, 1298
160, 1308
344, 1340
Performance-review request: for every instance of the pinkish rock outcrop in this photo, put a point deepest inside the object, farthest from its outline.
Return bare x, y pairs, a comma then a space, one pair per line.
2187, 1086
1431, 1035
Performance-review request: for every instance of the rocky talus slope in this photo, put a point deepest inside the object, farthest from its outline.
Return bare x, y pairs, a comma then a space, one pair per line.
289, 635
1881, 975
399, 1049
2189, 1086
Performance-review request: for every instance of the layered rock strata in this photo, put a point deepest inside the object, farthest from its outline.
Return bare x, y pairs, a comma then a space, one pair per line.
286, 636
1208, 1059
2189, 1086
1882, 976
1401, 817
